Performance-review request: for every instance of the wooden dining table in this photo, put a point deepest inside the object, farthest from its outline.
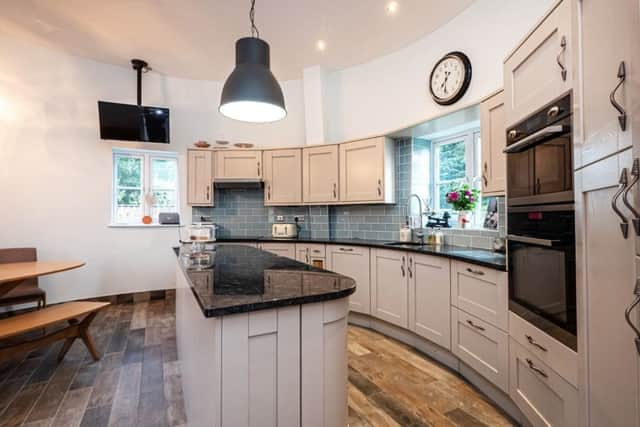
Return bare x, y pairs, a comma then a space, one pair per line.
14, 273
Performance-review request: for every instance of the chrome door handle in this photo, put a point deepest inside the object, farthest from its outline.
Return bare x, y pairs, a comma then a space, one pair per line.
335, 191
624, 222
622, 117
486, 181
346, 249
269, 192
258, 168
627, 314
208, 192
478, 327
536, 369
476, 272
307, 255
410, 268
534, 343
563, 68
635, 173
402, 267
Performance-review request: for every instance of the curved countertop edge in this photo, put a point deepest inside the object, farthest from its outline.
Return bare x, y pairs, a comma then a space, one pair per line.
498, 263
263, 305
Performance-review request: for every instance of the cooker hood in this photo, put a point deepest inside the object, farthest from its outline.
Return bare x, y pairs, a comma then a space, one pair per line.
238, 183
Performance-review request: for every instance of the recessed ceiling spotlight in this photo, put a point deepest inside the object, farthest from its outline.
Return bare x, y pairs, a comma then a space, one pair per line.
391, 7
321, 45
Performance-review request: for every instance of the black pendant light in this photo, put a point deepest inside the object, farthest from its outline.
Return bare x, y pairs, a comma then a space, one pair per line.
251, 92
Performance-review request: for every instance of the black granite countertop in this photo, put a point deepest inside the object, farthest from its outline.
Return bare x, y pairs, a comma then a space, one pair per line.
245, 279
481, 257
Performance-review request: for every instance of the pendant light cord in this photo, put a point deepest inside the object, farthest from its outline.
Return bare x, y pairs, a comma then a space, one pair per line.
252, 12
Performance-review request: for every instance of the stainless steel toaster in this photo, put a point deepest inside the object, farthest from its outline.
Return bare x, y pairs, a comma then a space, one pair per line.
284, 230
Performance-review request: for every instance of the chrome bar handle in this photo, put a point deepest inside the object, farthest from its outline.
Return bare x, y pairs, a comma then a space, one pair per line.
335, 190
563, 68
622, 117
402, 267
624, 222
208, 192
635, 173
536, 369
269, 192
627, 314
258, 169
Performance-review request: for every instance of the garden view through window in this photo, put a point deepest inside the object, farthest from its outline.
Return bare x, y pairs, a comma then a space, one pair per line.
144, 183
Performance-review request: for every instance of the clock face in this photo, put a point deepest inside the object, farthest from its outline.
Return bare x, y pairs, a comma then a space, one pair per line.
450, 78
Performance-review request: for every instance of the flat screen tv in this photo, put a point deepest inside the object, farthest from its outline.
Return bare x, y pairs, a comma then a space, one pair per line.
126, 122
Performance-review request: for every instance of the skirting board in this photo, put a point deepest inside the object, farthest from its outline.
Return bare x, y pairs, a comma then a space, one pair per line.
445, 358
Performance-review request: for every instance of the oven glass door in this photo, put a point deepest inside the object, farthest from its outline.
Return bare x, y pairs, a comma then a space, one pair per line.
541, 174
542, 279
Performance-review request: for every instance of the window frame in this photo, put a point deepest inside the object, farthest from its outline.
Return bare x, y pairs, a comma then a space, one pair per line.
146, 185
470, 163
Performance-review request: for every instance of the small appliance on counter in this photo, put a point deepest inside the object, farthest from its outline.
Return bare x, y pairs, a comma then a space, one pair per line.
284, 231
198, 247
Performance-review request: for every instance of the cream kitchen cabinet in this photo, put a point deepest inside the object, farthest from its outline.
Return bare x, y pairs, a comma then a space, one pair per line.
353, 261
543, 396
610, 35
367, 173
311, 253
430, 297
282, 249
238, 164
493, 141
606, 278
200, 177
480, 291
543, 66
320, 174
482, 346
282, 177
390, 286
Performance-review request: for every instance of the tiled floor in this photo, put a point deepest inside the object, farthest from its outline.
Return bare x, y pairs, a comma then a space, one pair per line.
137, 382
391, 384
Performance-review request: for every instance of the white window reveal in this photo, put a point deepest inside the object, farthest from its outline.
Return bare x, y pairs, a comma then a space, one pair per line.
145, 183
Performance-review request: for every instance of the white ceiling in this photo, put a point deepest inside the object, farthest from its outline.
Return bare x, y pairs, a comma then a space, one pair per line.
195, 38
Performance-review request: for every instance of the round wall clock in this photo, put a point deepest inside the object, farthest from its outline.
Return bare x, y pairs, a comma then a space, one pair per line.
450, 78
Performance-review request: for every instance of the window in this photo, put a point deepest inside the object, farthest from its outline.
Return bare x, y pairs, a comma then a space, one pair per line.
453, 164
144, 183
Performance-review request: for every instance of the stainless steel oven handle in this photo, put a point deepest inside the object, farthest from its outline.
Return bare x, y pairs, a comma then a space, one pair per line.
624, 222
534, 137
532, 240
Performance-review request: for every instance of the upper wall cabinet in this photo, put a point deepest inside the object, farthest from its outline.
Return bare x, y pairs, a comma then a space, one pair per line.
320, 174
238, 164
493, 136
543, 66
200, 177
282, 177
367, 173
610, 35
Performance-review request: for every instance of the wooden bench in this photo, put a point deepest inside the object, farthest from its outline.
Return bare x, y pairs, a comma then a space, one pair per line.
38, 320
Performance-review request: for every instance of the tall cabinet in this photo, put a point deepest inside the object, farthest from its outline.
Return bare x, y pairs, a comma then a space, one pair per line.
607, 260
494, 163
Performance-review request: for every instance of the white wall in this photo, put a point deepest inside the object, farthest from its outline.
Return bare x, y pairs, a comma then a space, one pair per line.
392, 92
55, 172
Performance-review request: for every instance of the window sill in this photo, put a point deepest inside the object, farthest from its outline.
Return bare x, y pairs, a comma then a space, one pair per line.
143, 225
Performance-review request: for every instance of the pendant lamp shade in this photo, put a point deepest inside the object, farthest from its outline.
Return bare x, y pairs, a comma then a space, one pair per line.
251, 92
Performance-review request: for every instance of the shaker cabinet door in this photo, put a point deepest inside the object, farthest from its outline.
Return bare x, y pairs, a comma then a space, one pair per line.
610, 35
282, 177
367, 171
353, 262
320, 174
389, 286
542, 67
493, 141
239, 164
200, 177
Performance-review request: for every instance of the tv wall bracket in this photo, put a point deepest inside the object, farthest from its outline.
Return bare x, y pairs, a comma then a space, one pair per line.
141, 67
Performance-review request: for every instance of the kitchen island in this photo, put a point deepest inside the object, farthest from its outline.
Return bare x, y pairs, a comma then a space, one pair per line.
262, 341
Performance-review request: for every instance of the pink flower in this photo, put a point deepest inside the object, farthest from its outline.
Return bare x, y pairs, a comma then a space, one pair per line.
467, 193
453, 196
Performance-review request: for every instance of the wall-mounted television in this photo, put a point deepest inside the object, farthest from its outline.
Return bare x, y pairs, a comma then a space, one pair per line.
126, 122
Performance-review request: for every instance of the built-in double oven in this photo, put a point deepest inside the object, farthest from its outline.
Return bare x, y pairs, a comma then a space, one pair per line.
541, 220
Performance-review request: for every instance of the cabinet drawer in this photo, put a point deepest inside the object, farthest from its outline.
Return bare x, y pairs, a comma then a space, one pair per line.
482, 346
543, 396
553, 353
480, 291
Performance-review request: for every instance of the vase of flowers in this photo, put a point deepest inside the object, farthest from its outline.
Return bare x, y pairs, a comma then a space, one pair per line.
463, 199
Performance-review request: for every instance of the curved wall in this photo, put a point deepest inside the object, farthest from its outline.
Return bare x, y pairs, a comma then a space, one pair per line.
392, 92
